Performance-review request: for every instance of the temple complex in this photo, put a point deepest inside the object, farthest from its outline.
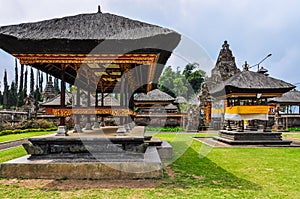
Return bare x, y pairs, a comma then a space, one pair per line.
100, 54
240, 99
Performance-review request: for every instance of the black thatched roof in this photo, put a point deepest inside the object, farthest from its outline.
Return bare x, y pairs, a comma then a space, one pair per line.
56, 100
251, 82
194, 101
154, 96
109, 100
82, 33
180, 100
171, 107
292, 97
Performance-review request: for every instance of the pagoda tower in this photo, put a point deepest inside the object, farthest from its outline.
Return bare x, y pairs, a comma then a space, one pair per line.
49, 92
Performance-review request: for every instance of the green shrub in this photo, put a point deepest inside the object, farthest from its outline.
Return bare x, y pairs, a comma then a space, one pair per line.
20, 131
164, 129
293, 129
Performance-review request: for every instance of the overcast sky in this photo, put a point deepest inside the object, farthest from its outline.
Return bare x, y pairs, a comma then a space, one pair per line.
253, 28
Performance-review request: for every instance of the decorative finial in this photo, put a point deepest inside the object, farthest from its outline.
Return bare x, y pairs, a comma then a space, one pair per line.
99, 9
246, 66
225, 45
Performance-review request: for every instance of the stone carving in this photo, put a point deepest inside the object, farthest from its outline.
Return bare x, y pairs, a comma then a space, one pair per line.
33, 150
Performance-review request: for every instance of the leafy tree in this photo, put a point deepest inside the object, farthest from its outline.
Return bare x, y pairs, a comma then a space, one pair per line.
184, 83
180, 87
31, 81
166, 81
194, 77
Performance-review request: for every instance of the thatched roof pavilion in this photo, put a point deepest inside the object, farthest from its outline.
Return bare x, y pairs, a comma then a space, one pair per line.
292, 97
87, 44
97, 52
249, 83
155, 95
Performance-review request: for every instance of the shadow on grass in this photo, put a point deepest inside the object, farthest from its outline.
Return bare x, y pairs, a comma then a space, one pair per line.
192, 170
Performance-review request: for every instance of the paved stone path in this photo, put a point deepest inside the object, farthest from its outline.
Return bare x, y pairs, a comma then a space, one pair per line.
10, 144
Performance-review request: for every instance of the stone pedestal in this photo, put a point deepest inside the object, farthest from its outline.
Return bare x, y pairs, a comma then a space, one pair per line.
251, 138
88, 126
102, 124
121, 131
62, 131
96, 154
77, 128
96, 125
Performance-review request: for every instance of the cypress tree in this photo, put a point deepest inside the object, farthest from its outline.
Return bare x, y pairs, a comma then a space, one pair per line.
21, 78
16, 74
41, 80
1, 98
5, 93
25, 82
13, 95
21, 97
31, 82
56, 87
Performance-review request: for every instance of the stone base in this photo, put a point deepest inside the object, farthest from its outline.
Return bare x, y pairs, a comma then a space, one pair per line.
77, 128
251, 138
62, 131
165, 151
150, 167
96, 125
88, 126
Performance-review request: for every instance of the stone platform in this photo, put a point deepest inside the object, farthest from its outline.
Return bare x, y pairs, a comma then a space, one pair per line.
150, 167
251, 138
96, 154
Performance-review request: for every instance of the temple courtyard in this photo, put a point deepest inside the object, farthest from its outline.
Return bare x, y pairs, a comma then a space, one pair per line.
197, 170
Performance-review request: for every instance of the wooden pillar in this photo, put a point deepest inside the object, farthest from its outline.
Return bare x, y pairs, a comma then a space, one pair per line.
77, 127
96, 99
102, 105
96, 124
88, 125
121, 130
62, 131
63, 96
102, 99
228, 126
126, 99
122, 98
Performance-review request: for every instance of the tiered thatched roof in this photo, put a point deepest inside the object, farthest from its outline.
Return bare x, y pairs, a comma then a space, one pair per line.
171, 107
55, 102
180, 100
82, 33
109, 100
251, 82
154, 96
194, 101
292, 97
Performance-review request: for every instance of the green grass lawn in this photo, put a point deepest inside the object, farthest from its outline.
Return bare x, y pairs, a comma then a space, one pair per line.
201, 172
11, 153
294, 135
5, 138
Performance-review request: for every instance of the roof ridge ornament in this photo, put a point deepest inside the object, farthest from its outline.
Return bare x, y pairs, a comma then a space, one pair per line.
99, 9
